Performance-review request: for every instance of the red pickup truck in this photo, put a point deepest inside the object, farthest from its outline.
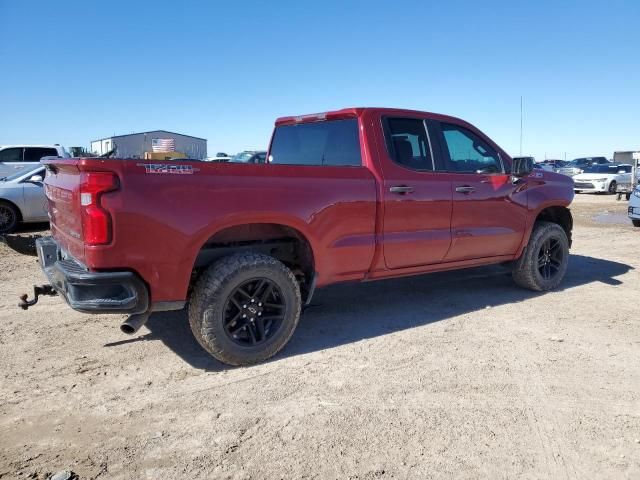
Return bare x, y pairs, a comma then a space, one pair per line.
351, 195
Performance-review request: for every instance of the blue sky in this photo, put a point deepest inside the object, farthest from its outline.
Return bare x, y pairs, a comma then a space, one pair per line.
73, 71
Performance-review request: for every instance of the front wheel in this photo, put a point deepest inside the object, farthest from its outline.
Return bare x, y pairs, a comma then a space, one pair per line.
613, 186
543, 263
244, 308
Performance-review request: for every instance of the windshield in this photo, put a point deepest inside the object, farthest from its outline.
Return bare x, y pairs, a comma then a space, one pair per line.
242, 157
597, 169
605, 169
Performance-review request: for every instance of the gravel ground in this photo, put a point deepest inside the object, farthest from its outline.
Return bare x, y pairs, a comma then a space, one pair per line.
453, 375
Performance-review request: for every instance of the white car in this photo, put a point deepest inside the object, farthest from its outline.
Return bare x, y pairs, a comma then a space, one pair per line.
634, 207
602, 178
14, 158
22, 198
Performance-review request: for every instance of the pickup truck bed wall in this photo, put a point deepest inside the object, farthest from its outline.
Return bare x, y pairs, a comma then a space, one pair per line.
351, 220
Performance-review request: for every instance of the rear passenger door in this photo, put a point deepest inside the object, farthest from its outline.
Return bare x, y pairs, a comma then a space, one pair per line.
489, 210
416, 196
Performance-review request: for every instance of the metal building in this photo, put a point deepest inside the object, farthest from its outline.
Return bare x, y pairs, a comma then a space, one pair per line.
136, 144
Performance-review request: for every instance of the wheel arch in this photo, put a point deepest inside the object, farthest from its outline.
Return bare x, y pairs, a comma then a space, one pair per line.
283, 241
560, 215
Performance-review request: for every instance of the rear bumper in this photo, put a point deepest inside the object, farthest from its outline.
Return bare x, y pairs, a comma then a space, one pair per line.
91, 292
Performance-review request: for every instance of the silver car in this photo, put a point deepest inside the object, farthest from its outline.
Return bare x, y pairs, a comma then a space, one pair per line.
22, 198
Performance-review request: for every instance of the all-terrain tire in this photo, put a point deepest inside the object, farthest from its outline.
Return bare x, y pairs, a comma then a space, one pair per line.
9, 217
526, 271
214, 288
636, 222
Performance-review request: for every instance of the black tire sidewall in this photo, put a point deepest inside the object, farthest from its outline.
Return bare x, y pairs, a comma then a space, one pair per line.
612, 187
211, 315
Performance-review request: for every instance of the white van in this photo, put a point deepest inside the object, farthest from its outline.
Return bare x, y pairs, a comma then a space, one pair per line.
14, 158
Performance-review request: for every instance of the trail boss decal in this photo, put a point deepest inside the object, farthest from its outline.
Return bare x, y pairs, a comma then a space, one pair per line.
168, 168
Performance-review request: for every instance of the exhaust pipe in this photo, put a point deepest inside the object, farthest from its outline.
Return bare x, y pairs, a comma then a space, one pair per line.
132, 324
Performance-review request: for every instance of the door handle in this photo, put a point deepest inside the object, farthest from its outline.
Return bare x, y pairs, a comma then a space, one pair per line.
466, 189
401, 189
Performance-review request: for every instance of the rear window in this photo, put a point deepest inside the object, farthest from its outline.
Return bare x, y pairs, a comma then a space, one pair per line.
34, 154
329, 143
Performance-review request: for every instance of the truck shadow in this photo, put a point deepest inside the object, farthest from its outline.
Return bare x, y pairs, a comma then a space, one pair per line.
23, 243
347, 313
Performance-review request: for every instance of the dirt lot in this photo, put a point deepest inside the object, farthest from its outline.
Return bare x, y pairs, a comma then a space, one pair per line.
455, 375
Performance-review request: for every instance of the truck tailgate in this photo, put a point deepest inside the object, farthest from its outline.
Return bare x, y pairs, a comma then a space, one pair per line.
62, 186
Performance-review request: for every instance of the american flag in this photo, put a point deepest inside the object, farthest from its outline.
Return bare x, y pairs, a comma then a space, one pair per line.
163, 144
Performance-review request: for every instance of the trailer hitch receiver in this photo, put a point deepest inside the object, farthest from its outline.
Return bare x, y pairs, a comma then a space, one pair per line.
37, 291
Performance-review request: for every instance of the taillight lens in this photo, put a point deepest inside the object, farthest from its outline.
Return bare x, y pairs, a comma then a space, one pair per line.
96, 221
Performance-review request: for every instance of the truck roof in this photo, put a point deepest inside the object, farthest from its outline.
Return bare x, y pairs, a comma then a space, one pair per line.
358, 111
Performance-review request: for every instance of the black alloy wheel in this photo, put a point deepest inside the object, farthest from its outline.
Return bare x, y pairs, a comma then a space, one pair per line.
550, 258
254, 312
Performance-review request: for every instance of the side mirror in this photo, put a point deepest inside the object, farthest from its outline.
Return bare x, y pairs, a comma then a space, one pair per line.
521, 167
622, 171
35, 179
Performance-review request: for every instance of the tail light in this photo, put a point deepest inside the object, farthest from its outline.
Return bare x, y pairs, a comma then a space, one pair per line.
96, 221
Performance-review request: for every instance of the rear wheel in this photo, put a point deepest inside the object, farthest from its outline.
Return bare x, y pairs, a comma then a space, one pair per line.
613, 186
9, 217
543, 263
244, 308
636, 222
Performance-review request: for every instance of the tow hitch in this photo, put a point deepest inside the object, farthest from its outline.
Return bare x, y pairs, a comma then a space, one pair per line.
37, 291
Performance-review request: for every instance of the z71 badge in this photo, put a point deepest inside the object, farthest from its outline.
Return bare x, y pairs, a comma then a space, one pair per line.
168, 168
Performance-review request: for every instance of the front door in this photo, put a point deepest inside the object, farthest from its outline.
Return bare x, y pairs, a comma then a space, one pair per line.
416, 197
489, 211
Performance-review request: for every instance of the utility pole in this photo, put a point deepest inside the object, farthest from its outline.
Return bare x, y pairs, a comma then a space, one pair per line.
520, 125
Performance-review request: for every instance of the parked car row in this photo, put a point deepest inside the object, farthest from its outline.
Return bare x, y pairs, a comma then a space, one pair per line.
246, 156
579, 165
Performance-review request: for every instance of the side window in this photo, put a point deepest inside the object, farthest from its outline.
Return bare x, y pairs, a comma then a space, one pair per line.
335, 142
34, 154
408, 143
468, 153
11, 155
